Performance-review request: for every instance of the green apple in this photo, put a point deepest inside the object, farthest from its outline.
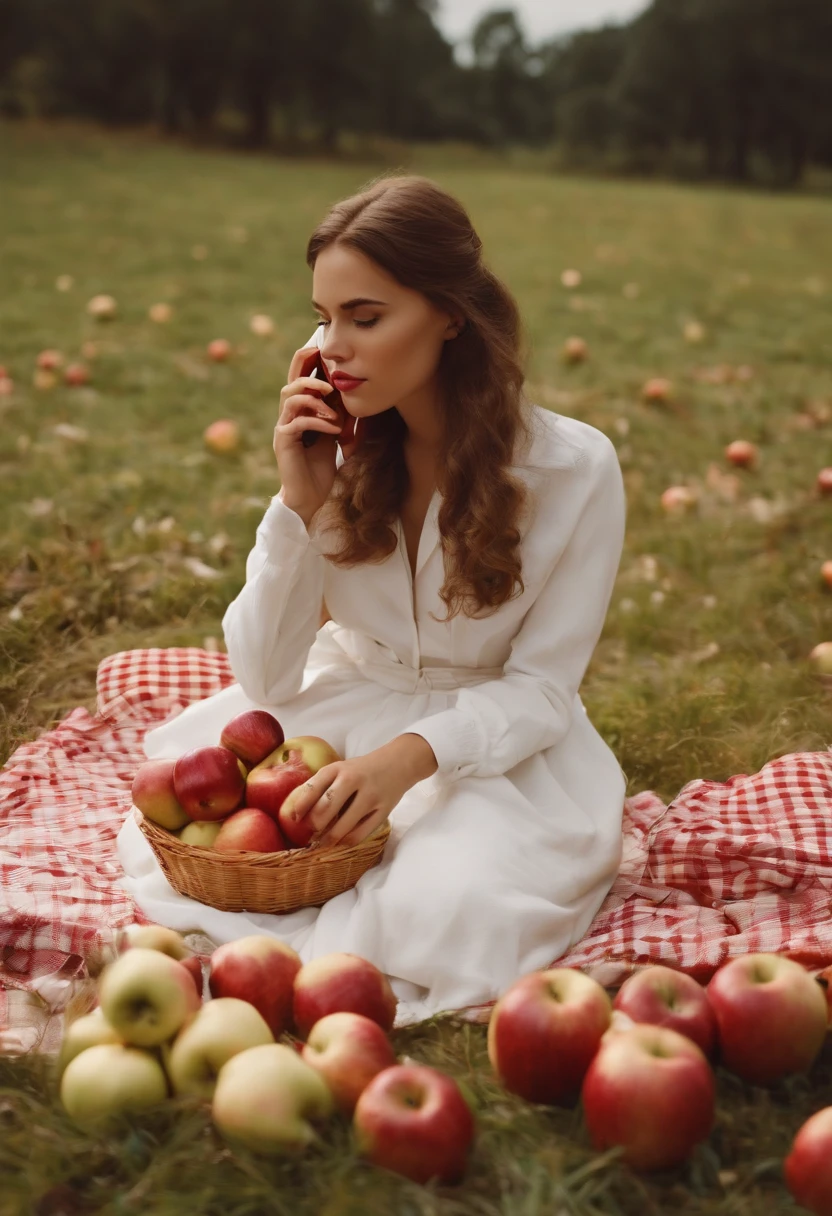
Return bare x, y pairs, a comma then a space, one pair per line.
146, 996
266, 1098
87, 1031
222, 1028
201, 832
110, 1079
154, 937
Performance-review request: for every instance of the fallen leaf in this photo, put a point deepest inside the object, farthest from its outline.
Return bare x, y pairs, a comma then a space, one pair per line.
200, 570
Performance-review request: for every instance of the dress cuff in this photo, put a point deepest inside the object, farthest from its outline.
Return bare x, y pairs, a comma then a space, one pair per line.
281, 527
455, 739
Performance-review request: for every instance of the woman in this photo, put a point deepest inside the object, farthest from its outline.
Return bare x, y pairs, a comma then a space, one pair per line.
464, 728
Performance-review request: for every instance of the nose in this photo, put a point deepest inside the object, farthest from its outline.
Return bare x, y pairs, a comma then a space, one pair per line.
335, 348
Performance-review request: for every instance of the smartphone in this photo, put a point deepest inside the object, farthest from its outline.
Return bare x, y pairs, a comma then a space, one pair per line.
317, 368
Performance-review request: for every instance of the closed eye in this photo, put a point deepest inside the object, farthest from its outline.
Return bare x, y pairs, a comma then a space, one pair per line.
360, 324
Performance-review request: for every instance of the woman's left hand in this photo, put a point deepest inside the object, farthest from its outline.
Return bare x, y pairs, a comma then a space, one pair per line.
347, 800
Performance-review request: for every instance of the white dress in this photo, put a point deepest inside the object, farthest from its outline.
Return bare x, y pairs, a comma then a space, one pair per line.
497, 863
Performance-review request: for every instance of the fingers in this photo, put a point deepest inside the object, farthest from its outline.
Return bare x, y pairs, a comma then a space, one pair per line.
302, 361
364, 828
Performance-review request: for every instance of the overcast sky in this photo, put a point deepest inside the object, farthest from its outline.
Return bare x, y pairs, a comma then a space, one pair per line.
541, 19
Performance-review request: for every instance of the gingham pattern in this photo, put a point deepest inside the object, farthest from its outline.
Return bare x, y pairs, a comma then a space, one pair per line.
725, 869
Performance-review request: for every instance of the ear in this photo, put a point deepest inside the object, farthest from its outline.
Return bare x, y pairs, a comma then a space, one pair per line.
454, 328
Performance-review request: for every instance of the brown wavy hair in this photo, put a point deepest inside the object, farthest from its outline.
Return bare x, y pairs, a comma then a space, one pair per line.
424, 238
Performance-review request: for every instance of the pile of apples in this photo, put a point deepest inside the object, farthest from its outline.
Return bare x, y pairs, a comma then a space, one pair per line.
152, 1036
642, 1064
240, 796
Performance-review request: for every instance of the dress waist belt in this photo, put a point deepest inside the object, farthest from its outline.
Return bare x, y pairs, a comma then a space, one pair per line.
379, 663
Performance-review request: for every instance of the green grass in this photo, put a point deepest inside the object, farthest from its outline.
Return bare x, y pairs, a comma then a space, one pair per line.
98, 533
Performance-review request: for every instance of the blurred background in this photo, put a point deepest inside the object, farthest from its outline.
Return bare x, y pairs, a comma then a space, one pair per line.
734, 90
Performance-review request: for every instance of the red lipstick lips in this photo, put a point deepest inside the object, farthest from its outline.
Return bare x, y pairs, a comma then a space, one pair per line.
345, 383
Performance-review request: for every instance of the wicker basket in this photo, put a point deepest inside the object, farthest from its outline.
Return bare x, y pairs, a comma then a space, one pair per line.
262, 882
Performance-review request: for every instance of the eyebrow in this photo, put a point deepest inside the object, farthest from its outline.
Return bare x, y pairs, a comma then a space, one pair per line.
351, 303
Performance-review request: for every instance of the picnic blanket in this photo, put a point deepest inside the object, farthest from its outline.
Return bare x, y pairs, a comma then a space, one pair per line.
726, 868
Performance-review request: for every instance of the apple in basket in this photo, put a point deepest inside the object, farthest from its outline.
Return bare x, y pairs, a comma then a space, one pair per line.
287, 767
807, 1170
154, 795
268, 1098
221, 1029
109, 1080
201, 834
261, 970
146, 996
771, 1016
209, 782
342, 983
252, 735
663, 996
651, 1091
414, 1120
249, 830
348, 1050
544, 1031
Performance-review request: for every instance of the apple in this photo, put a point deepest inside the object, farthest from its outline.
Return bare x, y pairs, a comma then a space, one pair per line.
49, 360
676, 500
288, 766
298, 832
146, 996
76, 374
154, 937
261, 970
348, 1050
209, 782
222, 436
109, 1079
414, 1120
652, 1091
824, 481
821, 658
342, 983
219, 350
268, 1098
154, 795
742, 453
657, 389
252, 735
160, 313
807, 1170
826, 573
544, 1030
261, 324
663, 996
249, 831
201, 833
575, 350
83, 1033
103, 308
771, 1016
221, 1029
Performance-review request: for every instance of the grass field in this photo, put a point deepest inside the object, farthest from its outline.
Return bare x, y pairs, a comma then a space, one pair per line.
121, 531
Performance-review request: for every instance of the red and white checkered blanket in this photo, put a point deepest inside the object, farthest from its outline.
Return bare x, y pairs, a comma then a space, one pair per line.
724, 869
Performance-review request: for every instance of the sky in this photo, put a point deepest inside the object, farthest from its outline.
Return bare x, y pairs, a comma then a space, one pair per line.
540, 19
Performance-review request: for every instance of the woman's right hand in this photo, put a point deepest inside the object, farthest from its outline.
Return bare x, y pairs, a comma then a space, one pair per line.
306, 473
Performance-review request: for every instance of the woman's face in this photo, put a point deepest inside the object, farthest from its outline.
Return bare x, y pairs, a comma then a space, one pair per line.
392, 342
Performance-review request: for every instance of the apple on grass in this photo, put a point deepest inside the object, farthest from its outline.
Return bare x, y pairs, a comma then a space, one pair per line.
651, 1091
271, 781
742, 453
222, 436
261, 970
209, 782
348, 1050
168, 941
821, 658
221, 1029
219, 350
413, 1119
807, 1170
342, 983
252, 735
249, 830
268, 1098
111, 1079
824, 481
663, 996
771, 1016
826, 573
543, 1032
90, 1030
146, 996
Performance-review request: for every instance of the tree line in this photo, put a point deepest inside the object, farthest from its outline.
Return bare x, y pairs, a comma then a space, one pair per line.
730, 89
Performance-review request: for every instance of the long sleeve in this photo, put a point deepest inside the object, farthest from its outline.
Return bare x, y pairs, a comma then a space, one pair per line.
495, 725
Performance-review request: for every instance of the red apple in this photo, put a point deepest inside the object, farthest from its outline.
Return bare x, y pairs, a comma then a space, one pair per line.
742, 453
771, 1016
826, 573
657, 389
288, 766
342, 983
676, 500
348, 1050
651, 1091
825, 481
807, 1169
76, 374
252, 735
222, 436
209, 782
575, 350
665, 997
49, 360
219, 350
261, 970
249, 831
414, 1120
544, 1030
153, 793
